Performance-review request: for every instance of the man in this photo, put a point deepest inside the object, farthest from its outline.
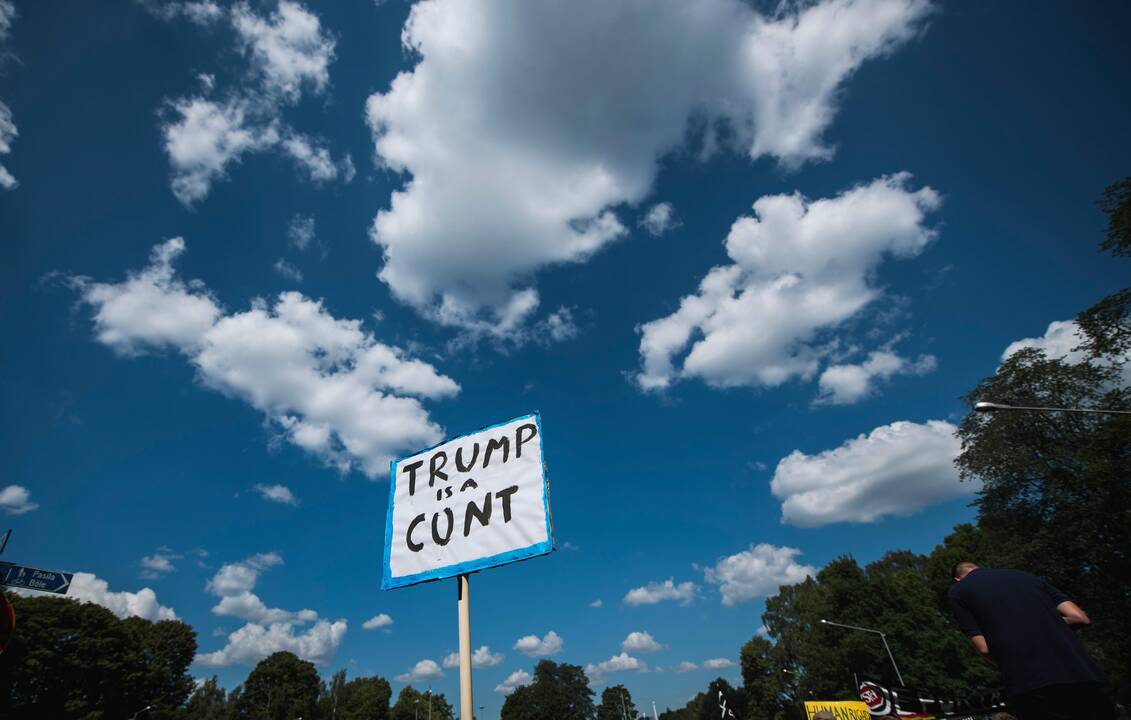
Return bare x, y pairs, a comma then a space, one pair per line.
1025, 626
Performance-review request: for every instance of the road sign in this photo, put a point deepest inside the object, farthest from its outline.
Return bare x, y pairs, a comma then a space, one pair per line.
35, 579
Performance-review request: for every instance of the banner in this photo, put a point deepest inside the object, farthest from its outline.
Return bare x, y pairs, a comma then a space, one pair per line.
470, 503
899, 702
839, 709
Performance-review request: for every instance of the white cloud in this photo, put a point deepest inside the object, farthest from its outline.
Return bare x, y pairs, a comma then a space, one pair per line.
289, 50
640, 642
8, 133
423, 670
762, 631
267, 629
287, 270
617, 663
276, 493
315, 160
659, 219
199, 12
1059, 342
300, 231
522, 126
481, 658
756, 572
7, 17
897, 469
158, 564
253, 642
800, 267
515, 680
534, 646
378, 622
16, 500
86, 587
686, 666
717, 664
328, 385
596, 603
655, 592
845, 384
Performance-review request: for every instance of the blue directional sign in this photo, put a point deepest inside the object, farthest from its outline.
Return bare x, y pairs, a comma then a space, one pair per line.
35, 579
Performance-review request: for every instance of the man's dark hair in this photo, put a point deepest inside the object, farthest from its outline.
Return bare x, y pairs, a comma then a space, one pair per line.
961, 568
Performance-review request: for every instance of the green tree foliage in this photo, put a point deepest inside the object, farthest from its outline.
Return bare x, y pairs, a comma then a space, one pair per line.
413, 705
78, 660
281, 687
363, 698
616, 704
1056, 487
558, 692
208, 702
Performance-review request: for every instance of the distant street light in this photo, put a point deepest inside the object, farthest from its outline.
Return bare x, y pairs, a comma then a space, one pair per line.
987, 407
882, 637
139, 712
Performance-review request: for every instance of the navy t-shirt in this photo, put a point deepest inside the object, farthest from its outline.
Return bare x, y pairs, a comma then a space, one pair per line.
1016, 612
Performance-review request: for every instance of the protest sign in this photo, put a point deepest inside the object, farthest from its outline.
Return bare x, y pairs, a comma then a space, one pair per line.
469, 503
839, 709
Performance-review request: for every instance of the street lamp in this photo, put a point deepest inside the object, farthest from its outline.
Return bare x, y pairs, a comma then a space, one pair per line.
882, 637
139, 712
987, 407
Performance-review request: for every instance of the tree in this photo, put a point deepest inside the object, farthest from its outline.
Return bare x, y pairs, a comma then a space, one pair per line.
365, 698
413, 705
281, 687
208, 702
70, 659
616, 704
558, 692
1056, 488
763, 681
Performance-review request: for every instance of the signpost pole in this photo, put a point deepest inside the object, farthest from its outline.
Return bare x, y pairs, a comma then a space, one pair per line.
466, 705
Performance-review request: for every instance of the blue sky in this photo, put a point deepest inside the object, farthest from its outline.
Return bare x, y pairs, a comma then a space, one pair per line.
511, 212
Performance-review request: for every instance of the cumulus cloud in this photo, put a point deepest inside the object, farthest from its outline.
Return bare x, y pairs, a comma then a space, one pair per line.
523, 126
16, 500
86, 587
655, 592
327, 385
515, 680
267, 630
717, 664
481, 658
800, 267
756, 572
640, 642
617, 663
596, 603
896, 469
158, 564
534, 646
276, 493
1059, 342
421, 671
844, 384
8, 130
288, 52
659, 219
378, 622
686, 666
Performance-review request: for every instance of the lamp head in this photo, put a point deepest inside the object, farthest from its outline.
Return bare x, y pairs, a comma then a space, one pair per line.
983, 407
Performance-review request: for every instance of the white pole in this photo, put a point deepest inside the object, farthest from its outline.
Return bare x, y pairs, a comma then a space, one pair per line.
466, 705
654, 715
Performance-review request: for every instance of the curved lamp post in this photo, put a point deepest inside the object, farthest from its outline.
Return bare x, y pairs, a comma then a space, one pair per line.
882, 637
987, 407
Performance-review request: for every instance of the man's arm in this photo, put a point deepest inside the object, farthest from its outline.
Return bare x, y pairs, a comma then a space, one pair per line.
983, 648
1073, 614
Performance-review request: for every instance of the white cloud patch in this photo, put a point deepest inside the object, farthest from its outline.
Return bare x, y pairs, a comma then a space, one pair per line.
756, 572
16, 500
86, 587
533, 646
640, 642
276, 493
897, 469
686, 666
198, 12
287, 270
421, 671
617, 663
717, 664
800, 267
522, 126
267, 630
655, 592
326, 384
844, 384
288, 52
1059, 342
659, 219
481, 658
378, 622
300, 231
515, 680
8, 130
596, 603
158, 564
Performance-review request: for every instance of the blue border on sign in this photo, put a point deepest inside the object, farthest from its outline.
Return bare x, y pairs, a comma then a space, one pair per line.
543, 548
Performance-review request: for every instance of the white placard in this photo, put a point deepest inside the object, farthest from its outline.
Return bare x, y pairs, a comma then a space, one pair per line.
469, 503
